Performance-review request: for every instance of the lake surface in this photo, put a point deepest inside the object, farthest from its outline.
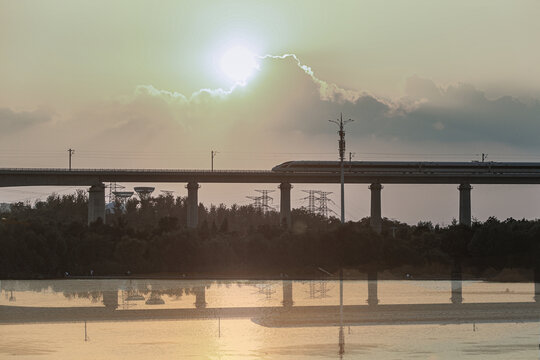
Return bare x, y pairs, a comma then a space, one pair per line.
179, 319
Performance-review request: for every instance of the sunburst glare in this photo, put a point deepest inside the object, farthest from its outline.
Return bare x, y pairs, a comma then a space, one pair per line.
238, 63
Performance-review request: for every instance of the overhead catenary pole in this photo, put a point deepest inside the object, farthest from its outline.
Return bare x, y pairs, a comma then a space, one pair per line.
341, 133
70, 152
213, 155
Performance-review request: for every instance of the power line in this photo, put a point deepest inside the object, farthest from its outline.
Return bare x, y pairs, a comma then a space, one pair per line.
262, 202
277, 153
244, 155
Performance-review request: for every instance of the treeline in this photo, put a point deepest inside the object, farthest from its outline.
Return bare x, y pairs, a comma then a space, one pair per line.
51, 238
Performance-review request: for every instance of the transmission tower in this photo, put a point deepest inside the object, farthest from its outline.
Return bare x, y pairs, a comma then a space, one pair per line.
312, 200
113, 188
323, 203
256, 201
318, 289
267, 290
318, 202
266, 200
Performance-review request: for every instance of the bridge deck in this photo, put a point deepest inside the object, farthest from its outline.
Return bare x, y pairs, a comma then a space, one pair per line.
292, 316
363, 175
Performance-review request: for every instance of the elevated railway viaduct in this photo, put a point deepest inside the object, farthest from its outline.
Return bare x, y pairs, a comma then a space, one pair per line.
463, 174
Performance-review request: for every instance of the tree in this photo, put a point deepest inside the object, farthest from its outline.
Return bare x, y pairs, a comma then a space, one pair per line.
224, 225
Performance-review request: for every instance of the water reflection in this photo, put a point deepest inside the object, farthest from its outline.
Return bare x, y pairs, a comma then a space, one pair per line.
262, 316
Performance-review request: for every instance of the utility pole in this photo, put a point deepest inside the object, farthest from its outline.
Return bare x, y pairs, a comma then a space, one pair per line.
71, 152
213, 155
339, 122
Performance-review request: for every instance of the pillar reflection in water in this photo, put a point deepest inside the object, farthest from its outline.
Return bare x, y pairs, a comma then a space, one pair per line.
372, 288
457, 296
200, 297
287, 293
537, 283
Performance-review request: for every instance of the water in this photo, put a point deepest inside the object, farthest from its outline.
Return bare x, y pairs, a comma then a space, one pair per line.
188, 319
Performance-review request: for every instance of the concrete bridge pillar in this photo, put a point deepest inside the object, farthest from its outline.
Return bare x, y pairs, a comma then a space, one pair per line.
457, 294
192, 205
372, 288
285, 204
200, 297
287, 293
96, 203
376, 219
465, 204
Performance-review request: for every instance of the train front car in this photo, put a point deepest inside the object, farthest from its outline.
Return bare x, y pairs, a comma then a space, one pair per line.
282, 167
349, 167
308, 166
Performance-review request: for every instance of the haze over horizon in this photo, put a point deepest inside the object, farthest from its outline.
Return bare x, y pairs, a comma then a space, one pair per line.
134, 85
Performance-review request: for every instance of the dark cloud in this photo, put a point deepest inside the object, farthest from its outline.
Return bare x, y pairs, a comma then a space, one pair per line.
455, 114
286, 98
12, 121
462, 113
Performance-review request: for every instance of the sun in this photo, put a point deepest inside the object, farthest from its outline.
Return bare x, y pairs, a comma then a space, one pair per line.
238, 63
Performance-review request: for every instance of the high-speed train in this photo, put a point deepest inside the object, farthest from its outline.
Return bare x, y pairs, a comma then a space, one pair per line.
409, 167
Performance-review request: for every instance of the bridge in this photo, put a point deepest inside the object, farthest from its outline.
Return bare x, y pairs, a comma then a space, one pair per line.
287, 315
374, 173
298, 316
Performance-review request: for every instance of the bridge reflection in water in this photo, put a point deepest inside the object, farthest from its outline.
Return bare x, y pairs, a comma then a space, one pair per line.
146, 300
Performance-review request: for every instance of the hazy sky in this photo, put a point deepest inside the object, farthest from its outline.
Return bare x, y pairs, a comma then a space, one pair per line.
152, 84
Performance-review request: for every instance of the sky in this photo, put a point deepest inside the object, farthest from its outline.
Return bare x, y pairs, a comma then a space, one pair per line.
140, 84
